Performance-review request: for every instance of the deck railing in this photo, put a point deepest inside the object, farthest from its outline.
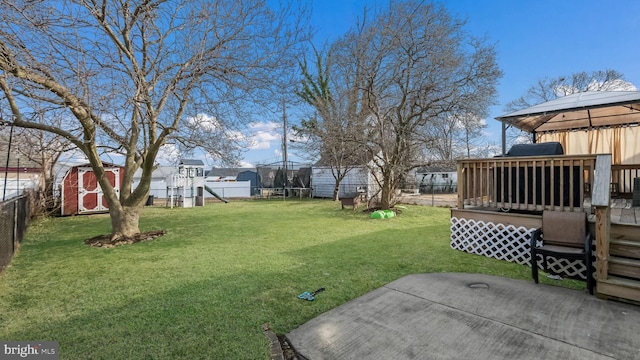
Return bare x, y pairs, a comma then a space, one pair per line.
600, 201
622, 179
533, 183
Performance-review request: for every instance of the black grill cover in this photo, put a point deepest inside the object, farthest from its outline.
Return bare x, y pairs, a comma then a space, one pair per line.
548, 148
509, 175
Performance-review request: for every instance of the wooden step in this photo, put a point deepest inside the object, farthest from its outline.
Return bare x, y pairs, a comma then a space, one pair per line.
624, 247
624, 267
625, 231
621, 288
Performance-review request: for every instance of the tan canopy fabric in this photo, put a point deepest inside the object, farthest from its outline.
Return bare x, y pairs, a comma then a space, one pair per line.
586, 123
623, 143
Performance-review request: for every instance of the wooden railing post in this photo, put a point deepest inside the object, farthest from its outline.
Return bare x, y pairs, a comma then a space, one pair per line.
461, 185
603, 229
532, 183
600, 200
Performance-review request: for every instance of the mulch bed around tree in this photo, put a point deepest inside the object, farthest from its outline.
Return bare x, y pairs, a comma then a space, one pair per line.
105, 241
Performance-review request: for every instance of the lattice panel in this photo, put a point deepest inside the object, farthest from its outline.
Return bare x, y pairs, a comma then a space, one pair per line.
506, 242
564, 267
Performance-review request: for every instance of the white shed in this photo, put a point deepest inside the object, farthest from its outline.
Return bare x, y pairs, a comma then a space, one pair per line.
438, 177
358, 180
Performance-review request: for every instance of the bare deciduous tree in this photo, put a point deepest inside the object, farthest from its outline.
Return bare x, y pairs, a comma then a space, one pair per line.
454, 136
548, 89
470, 134
44, 149
419, 65
133, 74
337, 121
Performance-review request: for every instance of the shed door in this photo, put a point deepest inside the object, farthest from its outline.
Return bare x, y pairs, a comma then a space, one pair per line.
90, 197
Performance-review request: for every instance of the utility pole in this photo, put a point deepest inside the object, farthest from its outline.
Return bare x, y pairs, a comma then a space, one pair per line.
18, 175
284, 144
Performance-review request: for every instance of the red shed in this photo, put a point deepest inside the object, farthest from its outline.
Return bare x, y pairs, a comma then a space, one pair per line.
81, 193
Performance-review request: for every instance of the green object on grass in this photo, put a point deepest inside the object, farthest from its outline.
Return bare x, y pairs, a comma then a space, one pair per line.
382, 214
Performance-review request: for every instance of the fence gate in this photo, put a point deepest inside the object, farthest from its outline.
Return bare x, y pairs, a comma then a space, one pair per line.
90, 196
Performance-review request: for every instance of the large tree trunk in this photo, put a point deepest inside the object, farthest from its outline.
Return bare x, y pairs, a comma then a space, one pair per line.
338, 175
49, 201
124, 221
387, 193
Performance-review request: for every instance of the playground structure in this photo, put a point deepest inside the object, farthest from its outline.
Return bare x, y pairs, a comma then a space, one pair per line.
186, 188
210, 191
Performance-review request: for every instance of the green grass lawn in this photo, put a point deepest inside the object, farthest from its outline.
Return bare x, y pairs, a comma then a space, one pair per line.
204, 289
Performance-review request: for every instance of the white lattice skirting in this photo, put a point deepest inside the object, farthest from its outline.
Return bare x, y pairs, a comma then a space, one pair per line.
505, 242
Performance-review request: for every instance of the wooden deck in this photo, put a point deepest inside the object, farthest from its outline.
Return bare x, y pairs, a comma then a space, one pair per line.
622, 212
500, 201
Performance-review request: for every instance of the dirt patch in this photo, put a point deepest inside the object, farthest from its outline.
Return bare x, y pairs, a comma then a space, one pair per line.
106, 240
438, 200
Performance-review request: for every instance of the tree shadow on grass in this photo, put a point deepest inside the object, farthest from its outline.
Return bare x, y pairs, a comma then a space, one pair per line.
219, 317
206, 319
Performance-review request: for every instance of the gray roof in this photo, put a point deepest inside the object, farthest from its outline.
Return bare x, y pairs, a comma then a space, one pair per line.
438, 166
194, 162
577, 111
221, 172
160, 173
15, 157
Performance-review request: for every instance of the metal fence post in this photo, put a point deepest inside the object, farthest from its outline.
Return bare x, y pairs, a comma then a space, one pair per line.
15, 227
432, 194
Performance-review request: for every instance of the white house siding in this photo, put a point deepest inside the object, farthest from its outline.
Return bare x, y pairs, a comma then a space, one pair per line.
358, 179
158, 188
27, 181
230, 189
437, 181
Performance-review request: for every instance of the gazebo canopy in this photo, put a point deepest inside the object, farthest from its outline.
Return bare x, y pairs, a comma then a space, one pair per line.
578, 111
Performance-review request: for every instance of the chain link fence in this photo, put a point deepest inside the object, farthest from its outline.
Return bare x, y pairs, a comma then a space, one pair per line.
448, 188
14, 218
347, 188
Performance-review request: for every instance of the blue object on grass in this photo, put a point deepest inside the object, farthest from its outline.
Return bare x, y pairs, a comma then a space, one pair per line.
310, 296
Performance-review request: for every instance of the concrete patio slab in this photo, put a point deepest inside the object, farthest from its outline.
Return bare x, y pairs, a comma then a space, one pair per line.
471, 316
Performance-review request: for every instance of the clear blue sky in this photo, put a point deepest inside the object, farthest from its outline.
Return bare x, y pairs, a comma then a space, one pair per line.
534, 39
